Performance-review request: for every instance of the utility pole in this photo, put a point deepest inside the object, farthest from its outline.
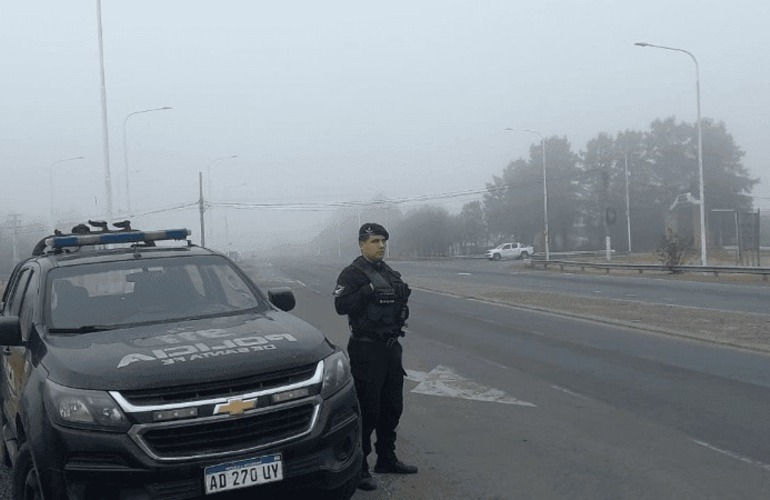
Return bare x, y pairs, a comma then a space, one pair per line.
605, 204
202, 209
14, 221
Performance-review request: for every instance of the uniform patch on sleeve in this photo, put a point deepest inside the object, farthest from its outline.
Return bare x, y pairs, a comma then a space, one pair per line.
338, 291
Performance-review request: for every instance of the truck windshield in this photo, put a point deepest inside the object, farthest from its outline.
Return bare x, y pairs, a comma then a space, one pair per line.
94, 296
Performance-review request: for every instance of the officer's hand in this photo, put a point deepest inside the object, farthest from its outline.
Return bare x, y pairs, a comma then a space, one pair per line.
402, 291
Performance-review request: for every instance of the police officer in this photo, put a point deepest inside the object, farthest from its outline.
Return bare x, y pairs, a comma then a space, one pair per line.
374, 297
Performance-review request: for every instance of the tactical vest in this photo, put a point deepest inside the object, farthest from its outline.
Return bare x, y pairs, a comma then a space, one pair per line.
378, 318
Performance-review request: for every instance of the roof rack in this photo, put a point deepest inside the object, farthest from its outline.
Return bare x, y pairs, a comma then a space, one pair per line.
83, 237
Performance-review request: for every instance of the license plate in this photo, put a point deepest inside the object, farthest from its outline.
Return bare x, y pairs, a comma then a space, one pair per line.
243, 473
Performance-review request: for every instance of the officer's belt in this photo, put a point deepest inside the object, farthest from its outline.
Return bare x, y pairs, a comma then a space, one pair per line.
387, 338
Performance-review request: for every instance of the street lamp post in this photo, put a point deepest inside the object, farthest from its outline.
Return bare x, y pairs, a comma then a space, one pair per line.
628, 208
703, 253
105, 133
125, 151
50, 185
545, 189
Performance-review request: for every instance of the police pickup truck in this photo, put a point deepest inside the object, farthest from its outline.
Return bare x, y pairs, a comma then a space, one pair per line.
138, 365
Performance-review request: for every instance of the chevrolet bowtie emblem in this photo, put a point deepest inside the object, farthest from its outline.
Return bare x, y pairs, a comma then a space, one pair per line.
235, 406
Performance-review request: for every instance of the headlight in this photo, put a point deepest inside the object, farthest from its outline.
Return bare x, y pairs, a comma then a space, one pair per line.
336, 373
84, 409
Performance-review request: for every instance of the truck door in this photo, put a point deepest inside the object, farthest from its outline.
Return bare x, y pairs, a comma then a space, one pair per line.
22, 302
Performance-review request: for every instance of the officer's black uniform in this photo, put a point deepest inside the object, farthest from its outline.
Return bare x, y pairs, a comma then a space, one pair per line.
377, 311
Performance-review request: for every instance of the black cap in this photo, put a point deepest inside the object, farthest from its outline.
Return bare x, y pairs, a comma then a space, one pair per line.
371, 229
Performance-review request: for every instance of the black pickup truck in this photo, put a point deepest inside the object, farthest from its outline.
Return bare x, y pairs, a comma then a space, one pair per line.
138, 365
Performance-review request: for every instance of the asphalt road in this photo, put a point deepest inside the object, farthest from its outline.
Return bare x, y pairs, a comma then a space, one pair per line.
652, 289
505, 403
509, 403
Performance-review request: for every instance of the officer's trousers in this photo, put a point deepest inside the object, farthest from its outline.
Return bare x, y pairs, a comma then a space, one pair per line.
379, 379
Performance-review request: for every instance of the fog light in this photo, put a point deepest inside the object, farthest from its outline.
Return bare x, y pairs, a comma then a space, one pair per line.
344, 448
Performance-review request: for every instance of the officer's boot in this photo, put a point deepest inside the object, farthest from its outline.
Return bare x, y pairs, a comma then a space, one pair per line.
389, 464
365, 480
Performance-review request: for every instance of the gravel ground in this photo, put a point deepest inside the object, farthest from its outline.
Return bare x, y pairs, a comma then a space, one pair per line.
744, 330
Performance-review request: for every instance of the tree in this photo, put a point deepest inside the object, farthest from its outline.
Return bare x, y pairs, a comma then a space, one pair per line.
471, 229
564, 178
662, 164
426, 232
603, 186
517, 212
503, 195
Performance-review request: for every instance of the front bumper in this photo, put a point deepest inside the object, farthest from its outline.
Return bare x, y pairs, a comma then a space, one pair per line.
102, 465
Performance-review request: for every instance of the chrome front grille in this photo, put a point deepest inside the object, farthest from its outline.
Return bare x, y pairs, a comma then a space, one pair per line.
224, 435
280, 412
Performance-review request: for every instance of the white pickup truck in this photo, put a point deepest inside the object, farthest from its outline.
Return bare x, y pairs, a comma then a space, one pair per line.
513, 250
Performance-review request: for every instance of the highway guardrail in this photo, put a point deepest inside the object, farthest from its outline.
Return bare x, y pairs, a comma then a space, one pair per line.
662, 268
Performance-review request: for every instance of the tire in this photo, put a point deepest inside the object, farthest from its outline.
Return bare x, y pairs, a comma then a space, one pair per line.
3, 448
26, 484
342, 492
524, 255
496, 256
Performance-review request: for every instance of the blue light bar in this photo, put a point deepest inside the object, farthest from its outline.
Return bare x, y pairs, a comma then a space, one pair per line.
77, 240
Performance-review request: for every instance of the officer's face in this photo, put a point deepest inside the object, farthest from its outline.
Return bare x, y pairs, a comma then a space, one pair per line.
373, 248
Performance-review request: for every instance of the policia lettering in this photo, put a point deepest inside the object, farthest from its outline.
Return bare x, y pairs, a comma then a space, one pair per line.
374, 297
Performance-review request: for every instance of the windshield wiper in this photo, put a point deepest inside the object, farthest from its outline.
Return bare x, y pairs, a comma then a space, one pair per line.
82, 329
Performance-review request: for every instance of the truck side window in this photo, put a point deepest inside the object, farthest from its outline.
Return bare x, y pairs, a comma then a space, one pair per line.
27, 311
19, 288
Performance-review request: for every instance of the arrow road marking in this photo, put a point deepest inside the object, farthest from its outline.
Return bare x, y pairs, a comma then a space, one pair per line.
442, 381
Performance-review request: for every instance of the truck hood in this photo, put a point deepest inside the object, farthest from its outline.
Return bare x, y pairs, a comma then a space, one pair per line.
161, 355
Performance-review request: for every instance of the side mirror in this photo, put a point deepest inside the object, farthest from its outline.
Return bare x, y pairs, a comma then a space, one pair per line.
10, 331
282, 298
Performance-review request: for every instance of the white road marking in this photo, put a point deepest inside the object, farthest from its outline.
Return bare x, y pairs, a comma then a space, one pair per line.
442, 381
463, 274
567, 391
730, 454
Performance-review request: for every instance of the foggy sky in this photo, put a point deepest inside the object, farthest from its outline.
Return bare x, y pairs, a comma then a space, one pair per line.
343, 100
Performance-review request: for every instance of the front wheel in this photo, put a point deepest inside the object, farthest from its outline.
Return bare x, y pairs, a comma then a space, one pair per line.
26, 484
3, 447
496, 256
524, 255
343, 492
